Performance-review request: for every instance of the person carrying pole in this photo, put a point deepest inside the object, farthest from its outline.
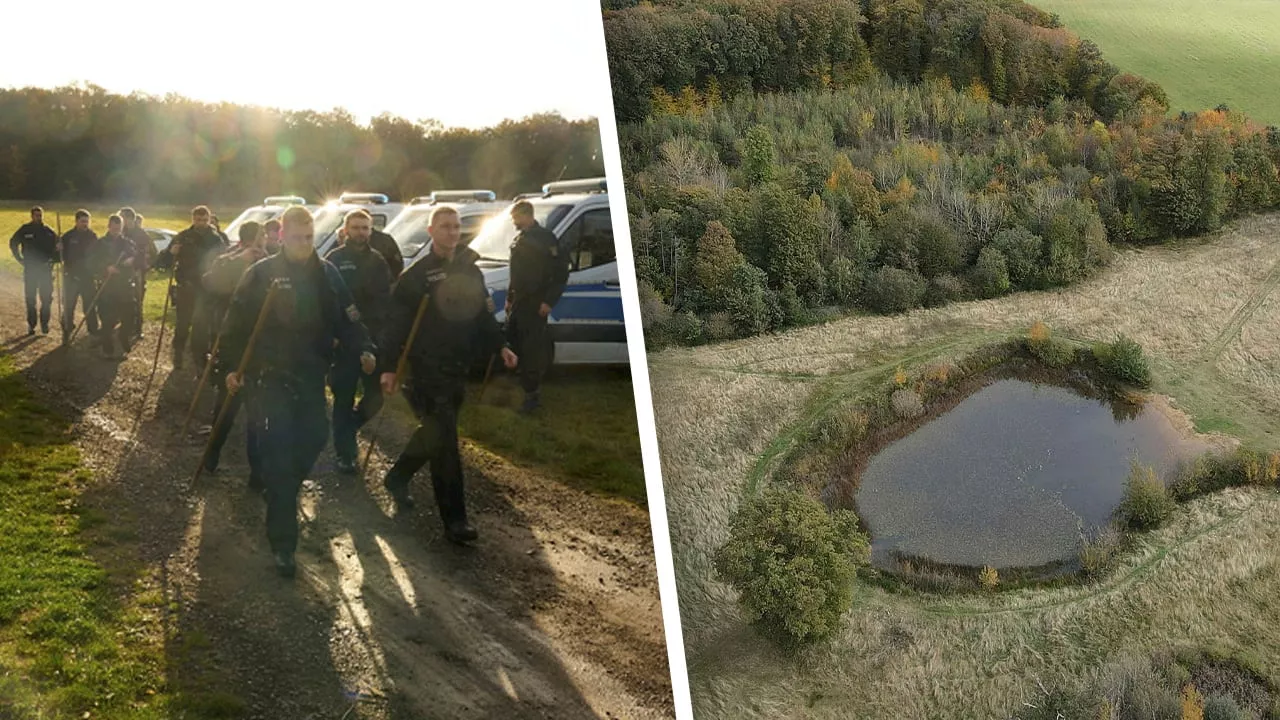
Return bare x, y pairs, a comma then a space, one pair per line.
190, 254
284, 381
113, 260
34, 245
457, 325
77, 281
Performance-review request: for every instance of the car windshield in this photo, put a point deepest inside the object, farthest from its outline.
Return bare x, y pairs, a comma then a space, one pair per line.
327, 220
495, 238
258, 215
410, 228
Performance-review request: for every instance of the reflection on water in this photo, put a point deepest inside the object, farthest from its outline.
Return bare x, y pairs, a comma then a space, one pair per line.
1010, 476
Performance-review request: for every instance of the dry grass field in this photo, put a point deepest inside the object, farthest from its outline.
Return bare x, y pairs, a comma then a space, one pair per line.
1208, 316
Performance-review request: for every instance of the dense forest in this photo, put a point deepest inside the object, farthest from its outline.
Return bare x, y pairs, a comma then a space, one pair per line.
84, 143
787, 159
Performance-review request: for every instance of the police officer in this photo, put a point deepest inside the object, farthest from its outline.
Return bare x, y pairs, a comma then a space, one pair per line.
366, 276
220, 284
389, 249
146, 258
35, 247
539, 271
458, 322
77, 277
311, 315
113, 260
190, 254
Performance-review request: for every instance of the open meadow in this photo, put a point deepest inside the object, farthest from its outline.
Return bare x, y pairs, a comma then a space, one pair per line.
1202, 54
1208, 316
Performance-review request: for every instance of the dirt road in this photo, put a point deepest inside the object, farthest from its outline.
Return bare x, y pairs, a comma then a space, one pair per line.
554, 613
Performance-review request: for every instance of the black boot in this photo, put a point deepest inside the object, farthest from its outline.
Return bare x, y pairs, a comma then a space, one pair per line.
460, 533
399, 492
285, 566
532, 402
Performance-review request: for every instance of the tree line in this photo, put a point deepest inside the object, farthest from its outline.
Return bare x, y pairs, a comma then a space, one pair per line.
758, 211
84, 143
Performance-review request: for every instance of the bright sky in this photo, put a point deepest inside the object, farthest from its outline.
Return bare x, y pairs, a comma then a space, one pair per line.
368, 57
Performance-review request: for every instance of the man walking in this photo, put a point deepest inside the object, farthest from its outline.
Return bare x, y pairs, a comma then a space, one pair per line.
311, 315
539, 272
35, 247
457, 326
387, 247
75, 249
191, 253
113, 260
146, 256
365, 273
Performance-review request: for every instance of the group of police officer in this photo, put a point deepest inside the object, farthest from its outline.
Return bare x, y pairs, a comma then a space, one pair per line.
284, 322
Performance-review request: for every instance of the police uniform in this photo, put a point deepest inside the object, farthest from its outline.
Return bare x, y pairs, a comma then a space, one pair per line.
311, 315
196, 249
219, 299
77, 279
146, 249
390, 251
35, 246
118, 294
365, 273
539, 271
457, 327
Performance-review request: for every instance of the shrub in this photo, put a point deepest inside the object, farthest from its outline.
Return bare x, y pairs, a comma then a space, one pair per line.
988, 578
892, 290
1099, 553
793, 565
1192, 703
990, 275
1221, 707
1124, 361
1048, 349
1023, 253
907, 403
945, 289
1146, 502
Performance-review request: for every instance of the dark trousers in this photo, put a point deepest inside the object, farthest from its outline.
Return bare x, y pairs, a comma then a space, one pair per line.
435, 441
37, 279
528, 333
142, 296
115, 308
191, 322
348, 417
82, 290
292, 428
222, 430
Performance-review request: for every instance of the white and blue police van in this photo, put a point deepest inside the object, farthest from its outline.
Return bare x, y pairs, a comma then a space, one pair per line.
270, 209
474, 207
586, 326
330, 217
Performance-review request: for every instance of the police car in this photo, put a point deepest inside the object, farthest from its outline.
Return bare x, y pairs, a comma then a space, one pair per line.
271, 208
330, 216
410, 227
586, 325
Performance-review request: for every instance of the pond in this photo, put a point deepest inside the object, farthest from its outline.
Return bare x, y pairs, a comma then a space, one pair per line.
1011, 476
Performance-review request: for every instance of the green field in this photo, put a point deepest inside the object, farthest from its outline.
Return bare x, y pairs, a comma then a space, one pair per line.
1202, 53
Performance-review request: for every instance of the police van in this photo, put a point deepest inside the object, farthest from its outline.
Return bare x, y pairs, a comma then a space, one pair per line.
586, 325
410, 227
270, 209
330, 216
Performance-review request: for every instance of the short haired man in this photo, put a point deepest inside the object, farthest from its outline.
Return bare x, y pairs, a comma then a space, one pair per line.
311, 318
538, 275
35, 246
75, 248
389, 249
114, 259
365, 273
272, 243
191, 253
458, 317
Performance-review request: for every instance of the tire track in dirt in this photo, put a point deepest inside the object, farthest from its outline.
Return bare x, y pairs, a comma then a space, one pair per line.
1241, 316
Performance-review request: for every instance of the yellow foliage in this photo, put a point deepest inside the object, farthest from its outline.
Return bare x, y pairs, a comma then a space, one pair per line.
900, 377
689, 103
1106, 710
978, 91
902, 193
938, 373
1273, 468
1192, 704
1253, 470
663, 103
988, 577
1039, 332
